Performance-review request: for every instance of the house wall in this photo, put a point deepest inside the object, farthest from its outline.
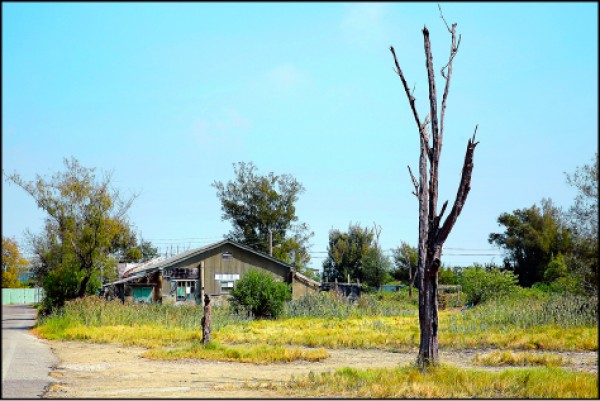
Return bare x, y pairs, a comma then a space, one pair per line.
214, 263
300, 289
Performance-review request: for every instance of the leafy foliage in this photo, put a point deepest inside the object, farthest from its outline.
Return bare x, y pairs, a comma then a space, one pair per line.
260, 293
583, 222
85, 224
376, 268
356, 254
257, 204
480, 285
13, 264
406, 259
531, 237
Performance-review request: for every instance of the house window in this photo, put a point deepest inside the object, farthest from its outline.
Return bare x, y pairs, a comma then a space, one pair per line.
186, 290
227, 256
226, 281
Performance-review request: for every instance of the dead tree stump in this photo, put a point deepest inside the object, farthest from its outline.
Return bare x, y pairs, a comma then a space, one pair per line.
206, 320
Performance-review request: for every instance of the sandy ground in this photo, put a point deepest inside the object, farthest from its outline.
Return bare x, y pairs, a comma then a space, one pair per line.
111, 371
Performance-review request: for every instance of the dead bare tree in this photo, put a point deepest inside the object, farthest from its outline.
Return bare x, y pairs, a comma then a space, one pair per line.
432, 235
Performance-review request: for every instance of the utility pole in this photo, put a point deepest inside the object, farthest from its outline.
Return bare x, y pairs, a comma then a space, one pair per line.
270, 242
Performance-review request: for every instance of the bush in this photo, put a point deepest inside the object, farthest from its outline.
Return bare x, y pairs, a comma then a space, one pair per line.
480, 285
260, 294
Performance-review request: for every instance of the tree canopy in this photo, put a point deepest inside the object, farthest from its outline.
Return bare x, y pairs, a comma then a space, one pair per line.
582, 219
85, 224
532, 236
355, 254
13, 263
258, 205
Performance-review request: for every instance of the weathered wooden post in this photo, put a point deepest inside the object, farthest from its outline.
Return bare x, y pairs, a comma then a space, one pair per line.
206, 320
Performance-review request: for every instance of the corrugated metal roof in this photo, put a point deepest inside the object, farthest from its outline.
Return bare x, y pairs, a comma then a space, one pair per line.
162, 264
125, 280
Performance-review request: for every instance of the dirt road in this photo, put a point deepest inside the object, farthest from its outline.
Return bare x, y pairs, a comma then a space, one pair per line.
110, 371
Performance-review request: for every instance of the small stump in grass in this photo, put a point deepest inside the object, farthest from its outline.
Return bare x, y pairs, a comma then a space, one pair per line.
206, 320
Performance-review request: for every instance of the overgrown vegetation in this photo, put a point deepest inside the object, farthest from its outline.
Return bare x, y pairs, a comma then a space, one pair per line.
550, 322
480, 285
529, 309
385, 321
95, 312
331, 305
444, 382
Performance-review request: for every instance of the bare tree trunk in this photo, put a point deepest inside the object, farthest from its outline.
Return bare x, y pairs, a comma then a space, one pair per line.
431, 235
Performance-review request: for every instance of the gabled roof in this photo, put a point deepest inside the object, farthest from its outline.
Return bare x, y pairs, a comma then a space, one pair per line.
166, 263
306, 280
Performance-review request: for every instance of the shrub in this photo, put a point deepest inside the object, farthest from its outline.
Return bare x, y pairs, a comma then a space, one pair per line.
260, 293
480, 285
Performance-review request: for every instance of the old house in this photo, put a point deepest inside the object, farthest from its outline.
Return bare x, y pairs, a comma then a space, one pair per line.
213, 269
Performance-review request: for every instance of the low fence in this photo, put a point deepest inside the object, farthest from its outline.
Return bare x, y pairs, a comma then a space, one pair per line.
22, 296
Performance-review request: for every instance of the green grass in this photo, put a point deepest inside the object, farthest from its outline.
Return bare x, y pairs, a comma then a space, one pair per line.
330, 305
248, 353
524, 312
444, 382
507, 358
94, 311
492, 325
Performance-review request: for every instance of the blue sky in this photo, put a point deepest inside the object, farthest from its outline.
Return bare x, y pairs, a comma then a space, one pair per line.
169, 96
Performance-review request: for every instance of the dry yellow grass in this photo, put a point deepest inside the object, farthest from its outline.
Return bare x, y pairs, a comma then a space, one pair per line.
259, 354
402, 333
508, 358
444, 382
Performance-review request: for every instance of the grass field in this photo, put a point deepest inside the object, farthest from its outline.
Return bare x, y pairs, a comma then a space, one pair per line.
324, 322
444, 382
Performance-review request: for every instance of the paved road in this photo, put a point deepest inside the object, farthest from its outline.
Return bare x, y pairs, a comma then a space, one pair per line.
26, 360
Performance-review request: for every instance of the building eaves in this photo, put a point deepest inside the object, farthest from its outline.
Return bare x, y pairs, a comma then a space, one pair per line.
165, 263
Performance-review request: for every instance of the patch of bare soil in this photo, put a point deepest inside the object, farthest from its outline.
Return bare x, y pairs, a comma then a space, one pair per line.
111, 371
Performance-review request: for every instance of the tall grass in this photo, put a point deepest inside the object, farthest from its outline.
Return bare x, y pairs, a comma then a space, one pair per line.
540, 322
444, 382
523, 312
331, 305
95, 312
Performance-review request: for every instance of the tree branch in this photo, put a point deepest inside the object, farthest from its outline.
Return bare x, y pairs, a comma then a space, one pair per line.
411, 98
453, 51
434, 156
461, 194
414, 181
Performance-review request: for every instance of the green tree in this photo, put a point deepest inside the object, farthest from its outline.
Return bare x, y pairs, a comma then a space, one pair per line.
376, 268
263, 205
139, 253
531, 237
479, 284
85, 225
406, 259
556, 269
13, 264
260, 293
356, 254
583, 221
